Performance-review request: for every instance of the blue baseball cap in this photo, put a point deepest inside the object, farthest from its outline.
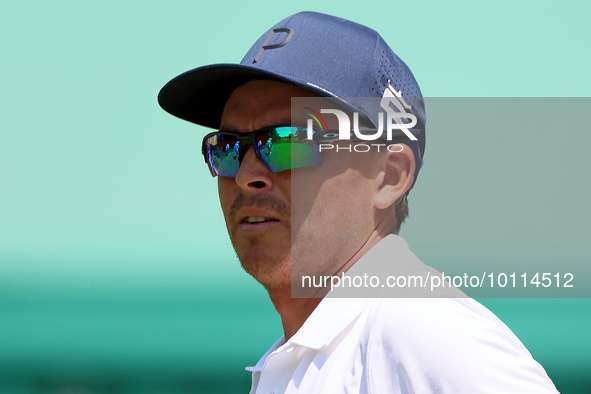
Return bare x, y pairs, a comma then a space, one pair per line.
326, 55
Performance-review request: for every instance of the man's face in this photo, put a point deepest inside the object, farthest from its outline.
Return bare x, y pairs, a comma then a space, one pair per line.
315, 218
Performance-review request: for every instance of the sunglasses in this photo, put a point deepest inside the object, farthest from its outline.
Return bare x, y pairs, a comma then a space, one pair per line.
280, 148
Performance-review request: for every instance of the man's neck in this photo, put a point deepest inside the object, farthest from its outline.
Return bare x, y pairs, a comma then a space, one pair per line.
295, 311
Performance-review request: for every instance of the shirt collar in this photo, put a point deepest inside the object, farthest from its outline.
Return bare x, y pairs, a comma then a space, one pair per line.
259, 365
329, 319
332, 315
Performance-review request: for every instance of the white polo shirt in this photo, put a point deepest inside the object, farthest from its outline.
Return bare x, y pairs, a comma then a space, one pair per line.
402, 346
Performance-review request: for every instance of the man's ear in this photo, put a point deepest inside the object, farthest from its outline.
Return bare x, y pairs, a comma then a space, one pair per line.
396, 171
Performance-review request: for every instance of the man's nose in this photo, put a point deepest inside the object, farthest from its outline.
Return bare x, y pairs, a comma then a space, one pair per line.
253, 175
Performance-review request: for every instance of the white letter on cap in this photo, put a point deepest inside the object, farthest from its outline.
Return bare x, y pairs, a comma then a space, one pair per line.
365, 137
395, 107
344, 122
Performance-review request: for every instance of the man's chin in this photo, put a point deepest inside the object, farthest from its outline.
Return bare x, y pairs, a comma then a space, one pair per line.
271, 270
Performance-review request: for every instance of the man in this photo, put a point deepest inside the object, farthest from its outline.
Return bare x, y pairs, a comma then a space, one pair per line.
306, 212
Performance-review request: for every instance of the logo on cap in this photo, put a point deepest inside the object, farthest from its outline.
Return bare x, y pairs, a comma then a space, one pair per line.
290, 33
315, 116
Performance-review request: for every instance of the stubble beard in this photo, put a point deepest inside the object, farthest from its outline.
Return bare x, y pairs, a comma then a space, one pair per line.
273, 271
266, 259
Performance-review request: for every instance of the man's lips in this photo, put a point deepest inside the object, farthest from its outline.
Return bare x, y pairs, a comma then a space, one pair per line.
258, 226
247, 210
257, 219
252, 218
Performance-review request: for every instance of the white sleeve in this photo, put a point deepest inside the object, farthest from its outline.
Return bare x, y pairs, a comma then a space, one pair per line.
447, 346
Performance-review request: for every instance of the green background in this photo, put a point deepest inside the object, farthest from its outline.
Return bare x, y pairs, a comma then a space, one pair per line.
116, 272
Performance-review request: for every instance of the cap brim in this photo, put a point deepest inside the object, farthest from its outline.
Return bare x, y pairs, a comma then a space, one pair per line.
199, 95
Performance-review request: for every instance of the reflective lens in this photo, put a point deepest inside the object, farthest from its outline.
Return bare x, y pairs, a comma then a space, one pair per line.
223, 152
280, 148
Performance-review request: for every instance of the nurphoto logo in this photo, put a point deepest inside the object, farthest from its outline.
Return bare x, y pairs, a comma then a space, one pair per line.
392, 102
